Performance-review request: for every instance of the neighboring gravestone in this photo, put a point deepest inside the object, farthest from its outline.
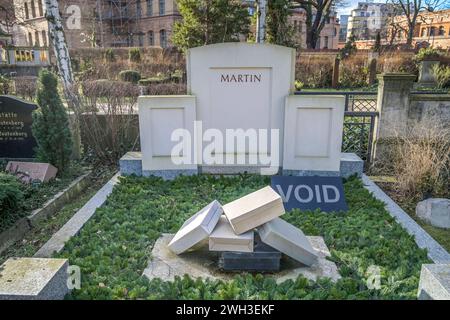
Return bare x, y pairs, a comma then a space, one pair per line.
34, 279
435, 212
16, 139
29, 172
426, 76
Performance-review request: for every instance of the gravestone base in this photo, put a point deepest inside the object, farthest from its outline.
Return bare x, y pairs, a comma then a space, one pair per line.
202, 263
434, 282
33, 279
311, 173
131, 164
263, 259
351, 164
169, 174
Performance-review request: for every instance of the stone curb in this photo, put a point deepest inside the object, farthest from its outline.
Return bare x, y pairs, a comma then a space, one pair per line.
17, 231
74, 225
435, 251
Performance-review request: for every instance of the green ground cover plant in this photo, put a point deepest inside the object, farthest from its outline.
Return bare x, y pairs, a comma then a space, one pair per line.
113, 248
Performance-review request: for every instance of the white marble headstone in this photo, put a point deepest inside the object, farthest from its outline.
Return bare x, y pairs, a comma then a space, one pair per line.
288, 239
223, 238
197, 228
254, 209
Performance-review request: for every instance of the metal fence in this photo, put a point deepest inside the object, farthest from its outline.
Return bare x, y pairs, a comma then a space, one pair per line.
359, 123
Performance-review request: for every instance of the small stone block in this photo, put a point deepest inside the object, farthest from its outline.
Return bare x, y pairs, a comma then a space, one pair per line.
351, 164
263, 259
288, 239
435, 211
33, 279
434, 282
32, 171
197, 228
223, 238
253, 210
131, 164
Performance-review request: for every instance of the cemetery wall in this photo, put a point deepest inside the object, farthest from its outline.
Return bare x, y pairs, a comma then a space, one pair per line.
399, 109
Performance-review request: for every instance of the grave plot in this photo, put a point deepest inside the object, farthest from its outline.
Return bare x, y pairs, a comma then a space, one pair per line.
115, 247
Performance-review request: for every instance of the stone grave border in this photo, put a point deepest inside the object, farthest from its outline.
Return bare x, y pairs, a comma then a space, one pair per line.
74, 225
435, 251
21, 227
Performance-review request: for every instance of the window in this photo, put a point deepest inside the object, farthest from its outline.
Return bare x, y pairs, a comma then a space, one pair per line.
41, 8
138, 8
325, 45
36, 39
423, 33
433, 31
33, 9
149, 8
30, 39
162, 7
441, 31
141, 40
163, 38
27, 13
151, 38
44, 38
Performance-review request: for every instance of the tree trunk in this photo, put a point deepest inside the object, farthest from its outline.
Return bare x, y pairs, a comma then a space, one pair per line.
62, 55
410, 35
261, 21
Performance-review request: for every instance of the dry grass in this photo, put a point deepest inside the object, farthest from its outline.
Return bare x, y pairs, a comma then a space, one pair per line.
422, 160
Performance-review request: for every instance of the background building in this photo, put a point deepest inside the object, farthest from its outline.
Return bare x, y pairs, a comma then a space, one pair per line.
104, 23
127, 23
368, 19
329, 36
432, 30
343, 27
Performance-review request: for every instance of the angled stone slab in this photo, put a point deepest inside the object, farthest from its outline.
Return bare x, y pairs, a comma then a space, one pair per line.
288, 239
197, 228
33, 279
434, 282
263, 259
254, 210
223, 238
32, 171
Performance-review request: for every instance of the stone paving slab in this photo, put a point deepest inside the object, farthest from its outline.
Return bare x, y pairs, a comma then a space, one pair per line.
434, 282
202, 263
435, 251
33, 279
74, 225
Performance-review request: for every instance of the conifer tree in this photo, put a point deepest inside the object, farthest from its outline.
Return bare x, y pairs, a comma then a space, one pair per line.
51, 124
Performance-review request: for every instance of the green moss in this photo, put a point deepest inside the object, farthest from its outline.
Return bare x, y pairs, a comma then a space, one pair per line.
113, 248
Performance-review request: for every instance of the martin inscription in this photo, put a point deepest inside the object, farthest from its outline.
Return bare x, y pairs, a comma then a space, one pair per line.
240, 78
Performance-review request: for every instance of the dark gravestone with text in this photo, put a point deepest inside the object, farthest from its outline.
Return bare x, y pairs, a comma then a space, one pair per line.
311, 193
16, 139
